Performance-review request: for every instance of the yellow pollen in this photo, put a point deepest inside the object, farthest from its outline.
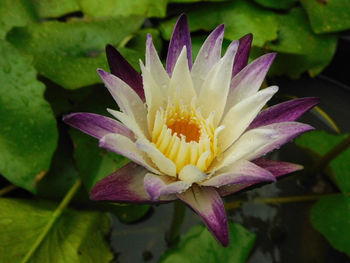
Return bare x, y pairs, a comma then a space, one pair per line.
184, 136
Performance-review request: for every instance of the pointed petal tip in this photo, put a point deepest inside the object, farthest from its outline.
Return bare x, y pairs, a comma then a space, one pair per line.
246, 38
102, 73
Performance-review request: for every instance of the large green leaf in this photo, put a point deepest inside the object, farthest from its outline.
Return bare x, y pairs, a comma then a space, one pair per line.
277, 4
14, 13
328, 15
69, 53
102, 8
75, 236
319, 143
28, 133
51, 8
330, 216
240, 18
299, 48
198, 245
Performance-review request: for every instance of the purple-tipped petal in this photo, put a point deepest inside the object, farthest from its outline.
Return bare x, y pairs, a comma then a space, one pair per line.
274, 167
286, 111
208, 55
241, 172
126, 147
248, 81
180, 38
123, 70
242, 56
124, 185
96, 125
278, 168
286, 131
207, 203
158, 185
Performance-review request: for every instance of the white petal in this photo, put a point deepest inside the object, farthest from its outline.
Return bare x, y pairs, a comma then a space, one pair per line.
191, 174
130, 123
249, 143
213, 94
238, 118
165, 165
124, 146
155, 96
181, 86
240, 172
128, 100
207, 57
155, 66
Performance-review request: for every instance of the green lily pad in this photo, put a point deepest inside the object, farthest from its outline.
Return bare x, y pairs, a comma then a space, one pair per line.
328, 15
330, 216
198, 245
50, 8
15, 13
240, 18
319, 143
69, 53
75, 236
277, 4
104, 8
129, 213
299, 48
28, 133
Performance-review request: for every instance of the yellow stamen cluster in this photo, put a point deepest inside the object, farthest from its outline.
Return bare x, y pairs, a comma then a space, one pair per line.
184, 136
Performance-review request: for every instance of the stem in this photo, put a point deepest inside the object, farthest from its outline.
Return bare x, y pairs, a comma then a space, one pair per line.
329, 156
56, 214
7, 189
173, 234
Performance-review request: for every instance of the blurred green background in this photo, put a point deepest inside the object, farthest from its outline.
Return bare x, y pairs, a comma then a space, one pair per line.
49, 53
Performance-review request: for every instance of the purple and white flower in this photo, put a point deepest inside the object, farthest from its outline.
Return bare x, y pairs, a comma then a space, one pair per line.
193, 132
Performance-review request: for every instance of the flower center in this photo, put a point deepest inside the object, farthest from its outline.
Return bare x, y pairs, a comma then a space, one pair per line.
184, 127
184, 136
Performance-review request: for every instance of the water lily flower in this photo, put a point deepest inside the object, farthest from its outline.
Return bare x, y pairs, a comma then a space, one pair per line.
193, 132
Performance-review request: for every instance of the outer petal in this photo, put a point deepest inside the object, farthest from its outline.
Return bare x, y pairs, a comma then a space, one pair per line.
249, 142
241, 115
242, 56
286, 131
278, 168
180, 38
128, 101
248, 81
257, 142
181, 85
241, 172
96, 125
124, 185
213, 94
124, 146
164, 164
158, 185
123, 70
207, 57
286, 111
206, 202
